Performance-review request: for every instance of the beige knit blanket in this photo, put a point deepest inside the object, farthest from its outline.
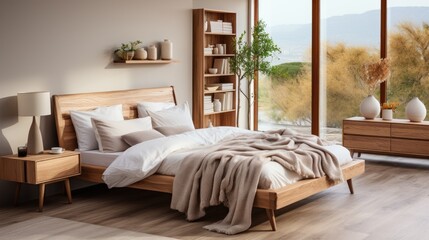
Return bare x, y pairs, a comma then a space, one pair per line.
229, 173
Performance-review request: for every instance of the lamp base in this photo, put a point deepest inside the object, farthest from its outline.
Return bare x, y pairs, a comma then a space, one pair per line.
35, 141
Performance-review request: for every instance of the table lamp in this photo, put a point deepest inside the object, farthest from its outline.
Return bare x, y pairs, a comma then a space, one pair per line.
34, 104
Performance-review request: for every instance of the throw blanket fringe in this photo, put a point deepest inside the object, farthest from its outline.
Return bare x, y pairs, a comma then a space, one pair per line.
229, 173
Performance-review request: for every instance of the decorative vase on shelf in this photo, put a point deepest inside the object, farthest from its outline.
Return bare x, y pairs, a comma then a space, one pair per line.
217, 105
152, 53
387, 114
140, 54
370, 107
415, 110
166, 50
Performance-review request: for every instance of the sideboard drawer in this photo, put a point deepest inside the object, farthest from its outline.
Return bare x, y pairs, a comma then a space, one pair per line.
366, 128
411, 131
411, 147
366, 143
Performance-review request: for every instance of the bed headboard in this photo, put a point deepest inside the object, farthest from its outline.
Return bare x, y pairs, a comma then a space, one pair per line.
63, 104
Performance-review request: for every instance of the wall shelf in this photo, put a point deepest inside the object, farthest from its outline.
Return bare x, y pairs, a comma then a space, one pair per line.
144, 61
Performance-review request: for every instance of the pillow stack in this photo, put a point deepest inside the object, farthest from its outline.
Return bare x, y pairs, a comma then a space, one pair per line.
105, 129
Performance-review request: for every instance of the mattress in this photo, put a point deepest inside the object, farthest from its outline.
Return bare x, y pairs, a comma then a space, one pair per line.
273, 174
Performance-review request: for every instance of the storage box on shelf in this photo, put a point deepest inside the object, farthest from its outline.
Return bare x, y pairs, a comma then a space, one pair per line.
213, 36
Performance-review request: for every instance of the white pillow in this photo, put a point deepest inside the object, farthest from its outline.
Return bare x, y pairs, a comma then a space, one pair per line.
175, 116
83, 127
109, 133
143, 107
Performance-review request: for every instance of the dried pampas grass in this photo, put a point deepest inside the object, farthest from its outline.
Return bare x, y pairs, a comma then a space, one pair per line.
374, 73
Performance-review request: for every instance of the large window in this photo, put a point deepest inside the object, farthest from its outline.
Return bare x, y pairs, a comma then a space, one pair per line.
351, 33
408, 49
350, 37
285, 97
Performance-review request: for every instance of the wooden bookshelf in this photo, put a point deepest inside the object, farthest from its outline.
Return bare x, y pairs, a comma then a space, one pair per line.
202, 62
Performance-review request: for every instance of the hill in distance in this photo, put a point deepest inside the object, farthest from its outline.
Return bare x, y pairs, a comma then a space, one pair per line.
353, 29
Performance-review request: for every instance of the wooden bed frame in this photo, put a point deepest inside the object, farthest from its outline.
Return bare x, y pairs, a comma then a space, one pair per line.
269, 199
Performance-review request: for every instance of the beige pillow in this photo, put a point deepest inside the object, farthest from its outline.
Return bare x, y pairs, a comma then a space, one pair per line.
85, 134
109, 133
141, 136
171, 130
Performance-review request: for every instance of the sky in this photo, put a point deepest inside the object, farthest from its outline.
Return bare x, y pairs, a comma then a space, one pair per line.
277, 12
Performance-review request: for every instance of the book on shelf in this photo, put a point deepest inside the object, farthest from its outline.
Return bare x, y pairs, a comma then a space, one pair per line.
216, 26
226, 86
227, 27
222, 65
208, 104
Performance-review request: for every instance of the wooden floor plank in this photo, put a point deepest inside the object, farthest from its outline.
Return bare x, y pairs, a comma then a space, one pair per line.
390, 202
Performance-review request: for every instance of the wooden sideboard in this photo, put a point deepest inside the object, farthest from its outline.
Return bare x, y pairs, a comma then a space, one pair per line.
396, 137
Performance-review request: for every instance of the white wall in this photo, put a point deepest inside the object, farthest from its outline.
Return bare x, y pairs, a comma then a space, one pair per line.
66, 46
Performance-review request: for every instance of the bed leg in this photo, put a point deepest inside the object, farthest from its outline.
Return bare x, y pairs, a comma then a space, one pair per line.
272, 218
350, 184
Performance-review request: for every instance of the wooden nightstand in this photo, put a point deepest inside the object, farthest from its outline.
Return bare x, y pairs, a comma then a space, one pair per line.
40, 170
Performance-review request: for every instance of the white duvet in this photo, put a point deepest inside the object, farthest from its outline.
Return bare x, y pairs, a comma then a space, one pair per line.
163, 155
144, 159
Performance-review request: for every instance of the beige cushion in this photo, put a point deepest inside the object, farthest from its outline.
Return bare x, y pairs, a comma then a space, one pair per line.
171, 130
85, 134
109, 133
141, 136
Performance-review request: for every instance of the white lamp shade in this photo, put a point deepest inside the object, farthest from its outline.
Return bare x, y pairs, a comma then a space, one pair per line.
34, 104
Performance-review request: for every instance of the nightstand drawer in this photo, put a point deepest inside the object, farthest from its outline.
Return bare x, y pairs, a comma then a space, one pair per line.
52, 169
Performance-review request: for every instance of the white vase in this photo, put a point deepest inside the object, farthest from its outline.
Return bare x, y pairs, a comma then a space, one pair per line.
415, 110
166, 50
152, 53
387, 114
370, 107
217, 106
140, 54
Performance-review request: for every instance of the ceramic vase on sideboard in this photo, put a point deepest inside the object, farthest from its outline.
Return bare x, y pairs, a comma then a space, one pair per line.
370, 107
415, 110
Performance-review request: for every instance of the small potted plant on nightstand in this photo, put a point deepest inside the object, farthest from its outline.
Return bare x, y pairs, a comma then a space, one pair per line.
126, 51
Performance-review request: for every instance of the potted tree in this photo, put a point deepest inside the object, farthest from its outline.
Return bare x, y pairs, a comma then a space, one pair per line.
250, 59
126, 51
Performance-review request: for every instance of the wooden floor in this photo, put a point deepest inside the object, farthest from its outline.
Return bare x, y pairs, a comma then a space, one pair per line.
390, 202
